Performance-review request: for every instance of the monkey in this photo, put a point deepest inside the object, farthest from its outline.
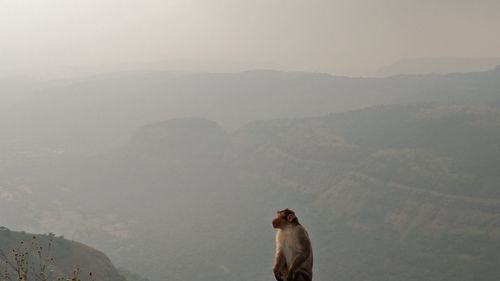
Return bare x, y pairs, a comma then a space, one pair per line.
293, 258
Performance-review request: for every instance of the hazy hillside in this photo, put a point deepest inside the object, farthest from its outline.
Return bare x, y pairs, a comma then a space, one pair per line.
101, 112
394, 192
438, 66
14, 90
59, 256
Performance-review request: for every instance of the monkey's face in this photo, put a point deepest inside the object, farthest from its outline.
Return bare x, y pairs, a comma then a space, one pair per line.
279, 221
284, 218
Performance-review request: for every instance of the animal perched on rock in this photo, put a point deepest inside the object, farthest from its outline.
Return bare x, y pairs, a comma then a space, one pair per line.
294, 258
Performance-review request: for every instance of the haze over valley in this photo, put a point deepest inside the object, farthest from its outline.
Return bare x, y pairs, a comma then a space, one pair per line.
92, 162
155, 140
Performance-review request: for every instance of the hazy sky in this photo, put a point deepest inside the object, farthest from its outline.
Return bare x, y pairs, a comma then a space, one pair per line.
353, 37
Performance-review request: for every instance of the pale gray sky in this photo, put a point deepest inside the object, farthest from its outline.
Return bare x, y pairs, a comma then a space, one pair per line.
349, 37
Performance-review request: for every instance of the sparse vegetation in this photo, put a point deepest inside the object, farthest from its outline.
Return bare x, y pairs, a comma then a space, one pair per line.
27, 257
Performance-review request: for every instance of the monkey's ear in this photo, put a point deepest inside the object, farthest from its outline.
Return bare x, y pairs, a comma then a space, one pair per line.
291, 218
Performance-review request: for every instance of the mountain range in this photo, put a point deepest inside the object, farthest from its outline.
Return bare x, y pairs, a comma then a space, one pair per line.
98, 113
394, 178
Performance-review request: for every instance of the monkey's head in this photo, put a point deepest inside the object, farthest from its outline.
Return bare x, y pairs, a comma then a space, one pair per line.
285, 217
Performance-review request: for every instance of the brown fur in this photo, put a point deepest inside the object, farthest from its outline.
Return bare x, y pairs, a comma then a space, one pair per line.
293, 259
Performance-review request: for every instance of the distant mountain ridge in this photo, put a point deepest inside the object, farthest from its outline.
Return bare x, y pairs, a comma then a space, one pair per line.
438, 66
100, 113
